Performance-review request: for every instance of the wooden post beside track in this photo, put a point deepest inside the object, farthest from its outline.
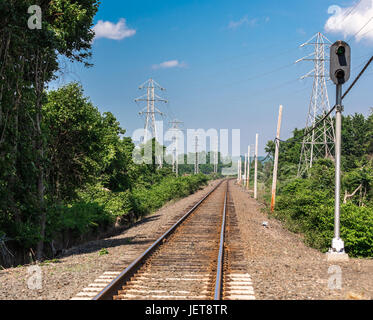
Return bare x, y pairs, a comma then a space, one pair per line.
245, 172
275, 167
256, 168
248, 169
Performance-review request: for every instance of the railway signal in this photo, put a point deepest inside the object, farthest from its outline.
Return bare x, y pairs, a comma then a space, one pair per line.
340, 62
340, 66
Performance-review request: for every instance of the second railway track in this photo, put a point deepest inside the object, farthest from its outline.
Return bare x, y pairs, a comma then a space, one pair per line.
190, 261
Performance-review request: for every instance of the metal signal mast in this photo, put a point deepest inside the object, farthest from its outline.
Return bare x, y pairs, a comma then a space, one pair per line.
150, 110
320, 142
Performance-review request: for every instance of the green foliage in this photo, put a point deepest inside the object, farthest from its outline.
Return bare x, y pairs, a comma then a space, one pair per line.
149, 200
113, 203
64, 166
29, 59
307, 206
357, 137
103, 252
80, 140
99, 207
357, 229
79, 218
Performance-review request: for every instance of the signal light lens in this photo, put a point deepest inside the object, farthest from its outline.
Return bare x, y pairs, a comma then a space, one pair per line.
341, 51
340, 74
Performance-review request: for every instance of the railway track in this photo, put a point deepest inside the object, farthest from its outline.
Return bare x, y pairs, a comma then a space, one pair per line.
198, 258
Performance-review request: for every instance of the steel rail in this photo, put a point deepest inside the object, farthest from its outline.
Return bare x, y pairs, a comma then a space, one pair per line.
113, 287
219, 271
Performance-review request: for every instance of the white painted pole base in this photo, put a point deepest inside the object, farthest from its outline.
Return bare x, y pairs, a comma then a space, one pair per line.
337, 257
337, 252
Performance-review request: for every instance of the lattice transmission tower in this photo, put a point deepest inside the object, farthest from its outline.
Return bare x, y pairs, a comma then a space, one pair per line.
150, 110
320, 142
196, 163
175, 141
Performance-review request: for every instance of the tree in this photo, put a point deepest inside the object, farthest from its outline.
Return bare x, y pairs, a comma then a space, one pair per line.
28, 61
80, 144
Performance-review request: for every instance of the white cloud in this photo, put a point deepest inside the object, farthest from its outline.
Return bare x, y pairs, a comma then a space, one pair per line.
244, 21
301, 31
170, 64
109, 30
349, 21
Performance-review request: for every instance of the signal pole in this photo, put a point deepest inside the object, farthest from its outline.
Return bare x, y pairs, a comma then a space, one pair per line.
256, 168
275, 167
340, 67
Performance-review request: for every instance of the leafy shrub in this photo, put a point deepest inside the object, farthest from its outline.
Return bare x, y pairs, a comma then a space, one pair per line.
357, 229
307, 206
114, 203
103, 252
99, 207
149, 200
79, 218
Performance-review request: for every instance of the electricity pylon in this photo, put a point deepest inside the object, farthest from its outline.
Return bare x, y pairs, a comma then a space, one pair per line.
320, 142
214, 152
196, 164
150, 110
216, 161
175, 154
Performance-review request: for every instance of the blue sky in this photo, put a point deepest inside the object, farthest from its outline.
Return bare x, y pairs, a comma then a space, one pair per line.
223, 54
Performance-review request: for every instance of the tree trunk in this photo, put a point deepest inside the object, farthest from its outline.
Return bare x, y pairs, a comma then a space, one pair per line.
39, 88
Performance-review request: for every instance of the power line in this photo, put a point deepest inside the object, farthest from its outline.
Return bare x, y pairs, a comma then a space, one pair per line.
366, 33
354, 36
352, 10
332, 109
358, 77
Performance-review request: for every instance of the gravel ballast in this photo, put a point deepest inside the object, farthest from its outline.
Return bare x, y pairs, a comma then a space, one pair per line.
281, 266
80, 266
284, 268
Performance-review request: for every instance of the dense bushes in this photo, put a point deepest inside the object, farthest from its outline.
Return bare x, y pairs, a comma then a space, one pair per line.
55, 143
307, 206
169, 188
79, 218
99, 207
90, 178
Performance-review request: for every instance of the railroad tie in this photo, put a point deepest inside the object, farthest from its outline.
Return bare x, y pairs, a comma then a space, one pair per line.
97, 286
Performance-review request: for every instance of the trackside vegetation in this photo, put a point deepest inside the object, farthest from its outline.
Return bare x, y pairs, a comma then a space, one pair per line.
91, 180
306, 204
66, 170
